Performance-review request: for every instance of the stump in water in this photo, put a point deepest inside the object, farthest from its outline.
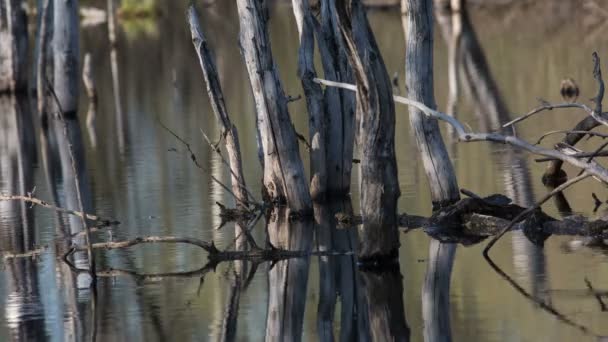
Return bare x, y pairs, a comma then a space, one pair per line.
284, 178
376, 135
13, 47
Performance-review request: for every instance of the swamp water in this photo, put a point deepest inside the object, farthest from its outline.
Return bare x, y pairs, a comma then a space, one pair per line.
142, 176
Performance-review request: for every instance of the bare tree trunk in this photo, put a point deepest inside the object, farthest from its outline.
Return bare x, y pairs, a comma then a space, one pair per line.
314, 99
339, 104
284, 178
66, 55
13, 46
418, 25
376, 135
216, 96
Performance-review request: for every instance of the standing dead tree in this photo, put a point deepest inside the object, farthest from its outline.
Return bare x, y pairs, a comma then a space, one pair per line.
375, 134
339, 104
229, 131
418, 26
13, 46
331, 112
314, 99
284, 179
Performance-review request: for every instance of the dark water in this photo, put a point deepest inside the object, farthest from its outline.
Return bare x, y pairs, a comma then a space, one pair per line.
140, 175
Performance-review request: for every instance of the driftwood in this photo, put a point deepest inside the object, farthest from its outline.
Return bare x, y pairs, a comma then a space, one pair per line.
284, 178
375, 134
418, 26
13, 47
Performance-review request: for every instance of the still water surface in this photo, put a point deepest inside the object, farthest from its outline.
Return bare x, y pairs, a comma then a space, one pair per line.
140, 175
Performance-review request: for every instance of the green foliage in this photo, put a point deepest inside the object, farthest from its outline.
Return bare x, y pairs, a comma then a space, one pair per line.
130, 9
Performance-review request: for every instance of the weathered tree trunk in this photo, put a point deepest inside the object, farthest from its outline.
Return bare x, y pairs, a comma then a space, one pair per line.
418, 26
284, 178
314, 99
376, 119
287, 279
66, 55
339, 104
13, 46
216, 96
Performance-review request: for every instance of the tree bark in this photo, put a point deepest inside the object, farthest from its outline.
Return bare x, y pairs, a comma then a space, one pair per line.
314, 99
375, 136
13, 46
216, 96
339, 104
66, 55
284, 178
418, 26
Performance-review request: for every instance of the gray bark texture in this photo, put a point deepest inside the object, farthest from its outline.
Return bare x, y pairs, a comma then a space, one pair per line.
418, 25
375, 135
284, 178
13, 46
339, 104
216, 96
314, 99
66, 54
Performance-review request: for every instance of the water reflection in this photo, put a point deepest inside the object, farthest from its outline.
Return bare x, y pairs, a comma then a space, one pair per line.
155, 192
22, 305
436, 292
473, 74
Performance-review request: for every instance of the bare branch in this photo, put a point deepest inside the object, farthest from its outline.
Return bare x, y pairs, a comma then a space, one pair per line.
45, 204
465, 135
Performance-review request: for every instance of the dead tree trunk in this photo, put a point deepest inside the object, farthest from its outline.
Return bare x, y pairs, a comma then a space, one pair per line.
13, 46
339, 104
284, 178
375, 136
216, 96
314, 99
66, 55
418, 26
